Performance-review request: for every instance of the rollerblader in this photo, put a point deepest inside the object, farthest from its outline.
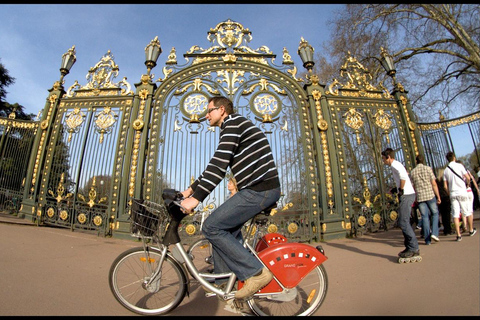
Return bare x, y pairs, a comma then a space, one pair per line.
407, 256
406, 195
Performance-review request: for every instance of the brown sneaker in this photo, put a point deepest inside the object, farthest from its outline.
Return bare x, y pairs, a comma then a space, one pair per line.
253, 284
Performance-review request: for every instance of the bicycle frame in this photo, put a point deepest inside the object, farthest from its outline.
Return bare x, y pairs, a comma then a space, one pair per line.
179, 254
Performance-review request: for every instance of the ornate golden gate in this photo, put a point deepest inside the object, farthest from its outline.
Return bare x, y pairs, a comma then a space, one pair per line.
80, 155
99, 145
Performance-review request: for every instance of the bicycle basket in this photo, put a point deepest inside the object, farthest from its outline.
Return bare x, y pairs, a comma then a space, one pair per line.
148, 217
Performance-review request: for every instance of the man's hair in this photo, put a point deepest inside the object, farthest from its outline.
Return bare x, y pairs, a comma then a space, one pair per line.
222, 101
388, 153
420, 159
450, 156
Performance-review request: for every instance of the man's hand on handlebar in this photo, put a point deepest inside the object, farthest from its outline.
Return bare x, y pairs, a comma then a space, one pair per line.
187, 193
188, 204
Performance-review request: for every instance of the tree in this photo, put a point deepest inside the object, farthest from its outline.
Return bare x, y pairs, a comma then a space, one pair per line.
18, 109
6, 108
435, 49
5, 81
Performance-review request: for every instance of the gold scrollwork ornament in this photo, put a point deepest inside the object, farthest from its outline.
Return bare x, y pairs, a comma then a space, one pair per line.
254, 229
97, 220
362, 221
292, 227
190, 229
138, 124
272, 228
63, 215
411, 125
82, 218
322, 125
44, 124
50, 212
393, 215
376, 218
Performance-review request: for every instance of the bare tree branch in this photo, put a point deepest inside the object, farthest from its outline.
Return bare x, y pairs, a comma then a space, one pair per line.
435, 47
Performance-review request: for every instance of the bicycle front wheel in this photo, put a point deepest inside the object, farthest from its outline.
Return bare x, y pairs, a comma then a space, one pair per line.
303, 300
129, 276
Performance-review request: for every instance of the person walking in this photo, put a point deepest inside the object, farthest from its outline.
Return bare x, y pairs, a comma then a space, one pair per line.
456, 180
475, 190
428, 198
445, 206
232, 186
472, 189
407, 197
245, 149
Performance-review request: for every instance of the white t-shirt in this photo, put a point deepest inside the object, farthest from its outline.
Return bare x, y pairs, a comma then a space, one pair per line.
400, 173
456, 186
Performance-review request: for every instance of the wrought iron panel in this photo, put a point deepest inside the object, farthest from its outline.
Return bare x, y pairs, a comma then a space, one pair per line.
16, 141
366, 129
83, 178
436, 145
437, 139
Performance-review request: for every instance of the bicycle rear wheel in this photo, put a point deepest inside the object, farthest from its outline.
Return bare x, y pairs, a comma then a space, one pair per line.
201, 254
303, 300
130, 273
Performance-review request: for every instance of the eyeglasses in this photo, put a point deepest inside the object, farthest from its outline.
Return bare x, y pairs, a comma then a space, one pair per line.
211, 109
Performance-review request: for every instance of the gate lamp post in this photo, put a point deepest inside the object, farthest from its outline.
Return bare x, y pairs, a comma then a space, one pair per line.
68, 59
387, 63
152, 52
305, 50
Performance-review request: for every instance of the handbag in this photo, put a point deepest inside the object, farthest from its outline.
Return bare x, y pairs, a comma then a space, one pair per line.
466, 185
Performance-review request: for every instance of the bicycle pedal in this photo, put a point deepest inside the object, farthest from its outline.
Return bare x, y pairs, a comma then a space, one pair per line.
210, 294
240, 305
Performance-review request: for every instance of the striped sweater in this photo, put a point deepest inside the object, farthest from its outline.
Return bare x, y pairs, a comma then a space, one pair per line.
245, 149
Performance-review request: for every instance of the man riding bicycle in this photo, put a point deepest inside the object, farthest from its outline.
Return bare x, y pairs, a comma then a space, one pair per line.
245, 149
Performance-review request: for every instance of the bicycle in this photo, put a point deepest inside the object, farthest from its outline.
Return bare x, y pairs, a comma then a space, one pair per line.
153, 279
12, 206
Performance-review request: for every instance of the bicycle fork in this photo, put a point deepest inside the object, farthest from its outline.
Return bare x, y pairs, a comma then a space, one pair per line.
152, 283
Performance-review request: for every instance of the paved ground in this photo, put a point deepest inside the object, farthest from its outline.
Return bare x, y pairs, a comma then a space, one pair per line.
47, 271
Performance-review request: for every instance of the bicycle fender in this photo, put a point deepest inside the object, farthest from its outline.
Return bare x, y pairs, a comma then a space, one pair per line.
268, 240
290, 263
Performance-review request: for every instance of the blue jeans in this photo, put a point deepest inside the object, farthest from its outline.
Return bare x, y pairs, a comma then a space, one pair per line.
223, 228
426, 208
404, 213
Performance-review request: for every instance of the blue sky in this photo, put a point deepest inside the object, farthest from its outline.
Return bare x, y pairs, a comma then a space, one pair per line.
34, 37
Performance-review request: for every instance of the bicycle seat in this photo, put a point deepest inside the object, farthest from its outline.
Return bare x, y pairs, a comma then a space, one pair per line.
268, 210
262, 217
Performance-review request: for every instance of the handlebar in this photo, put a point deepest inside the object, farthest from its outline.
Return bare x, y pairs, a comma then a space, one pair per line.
178, 203
175, 197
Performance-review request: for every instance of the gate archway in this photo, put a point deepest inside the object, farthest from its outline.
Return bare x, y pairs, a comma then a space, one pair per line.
181, 143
